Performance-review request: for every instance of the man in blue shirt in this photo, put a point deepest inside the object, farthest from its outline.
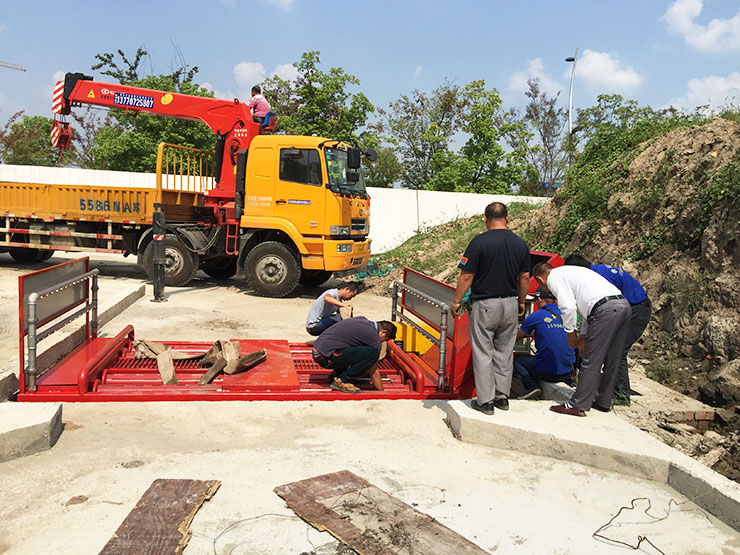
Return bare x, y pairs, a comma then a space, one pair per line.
641, 311
553, 361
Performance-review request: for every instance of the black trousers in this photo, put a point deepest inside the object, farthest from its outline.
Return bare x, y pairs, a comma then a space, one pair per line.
351, 363
639, 320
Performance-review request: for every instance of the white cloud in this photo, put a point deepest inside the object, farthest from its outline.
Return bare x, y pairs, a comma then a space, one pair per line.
218, 94
719, 35
417, 72
535, 70
604, 72
713, 91
282, 4
287, 72
248, 74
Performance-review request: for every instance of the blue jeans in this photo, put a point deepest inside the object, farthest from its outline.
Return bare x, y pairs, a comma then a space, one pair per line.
325, 322
530, 376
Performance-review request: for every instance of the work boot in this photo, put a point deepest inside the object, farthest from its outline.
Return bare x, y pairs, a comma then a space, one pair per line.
339, 385
501, 404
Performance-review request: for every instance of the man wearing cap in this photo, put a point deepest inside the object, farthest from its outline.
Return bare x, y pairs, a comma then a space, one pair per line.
351, 349
495, 267
554, 359
640, 307
605, 314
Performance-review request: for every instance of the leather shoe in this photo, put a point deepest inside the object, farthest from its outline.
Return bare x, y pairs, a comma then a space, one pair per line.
565, 409
599, 407
501, 404
485, 408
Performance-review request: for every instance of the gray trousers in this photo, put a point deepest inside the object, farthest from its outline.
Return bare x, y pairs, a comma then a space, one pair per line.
493, 324
607, 330
638, 322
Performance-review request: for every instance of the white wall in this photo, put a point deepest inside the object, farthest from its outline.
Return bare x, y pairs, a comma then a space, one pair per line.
397, 214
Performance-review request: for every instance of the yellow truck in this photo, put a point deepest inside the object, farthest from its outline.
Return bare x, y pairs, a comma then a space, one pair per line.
284, 209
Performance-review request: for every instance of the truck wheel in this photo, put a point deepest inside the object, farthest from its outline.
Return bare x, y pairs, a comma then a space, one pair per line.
25, 256
46, 255
222, 267
313, 278
180, 264
272, 269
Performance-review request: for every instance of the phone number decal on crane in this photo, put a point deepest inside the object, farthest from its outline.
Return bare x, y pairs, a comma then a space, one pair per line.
133, 100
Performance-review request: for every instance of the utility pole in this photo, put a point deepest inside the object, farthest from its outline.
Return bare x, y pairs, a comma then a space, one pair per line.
572, 59
12, 66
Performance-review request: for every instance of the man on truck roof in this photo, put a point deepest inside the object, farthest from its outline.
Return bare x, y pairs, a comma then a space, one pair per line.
258, 105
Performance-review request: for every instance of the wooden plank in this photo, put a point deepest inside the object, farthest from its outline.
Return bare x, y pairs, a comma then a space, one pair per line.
244, 363
213, 371
369, 520
166, 368
160, 521
231, 350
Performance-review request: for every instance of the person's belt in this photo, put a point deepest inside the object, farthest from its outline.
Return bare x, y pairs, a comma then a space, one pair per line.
318, 358
504, 296
598, 303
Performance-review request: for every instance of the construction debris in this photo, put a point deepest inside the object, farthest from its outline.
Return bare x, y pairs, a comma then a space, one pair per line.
160, 521
368, 519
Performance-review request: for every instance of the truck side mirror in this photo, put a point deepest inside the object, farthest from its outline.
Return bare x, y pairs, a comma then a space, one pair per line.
353, 177
371, 154
353, 158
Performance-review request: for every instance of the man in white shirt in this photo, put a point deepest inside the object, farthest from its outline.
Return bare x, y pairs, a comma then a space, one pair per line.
606, 315
324, 312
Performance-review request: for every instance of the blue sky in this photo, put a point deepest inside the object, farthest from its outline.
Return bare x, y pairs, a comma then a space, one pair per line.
659, 52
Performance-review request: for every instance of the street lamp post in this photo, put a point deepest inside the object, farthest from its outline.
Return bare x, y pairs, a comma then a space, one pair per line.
570, 93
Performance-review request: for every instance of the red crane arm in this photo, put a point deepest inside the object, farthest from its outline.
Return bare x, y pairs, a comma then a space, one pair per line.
230, 120
221, 116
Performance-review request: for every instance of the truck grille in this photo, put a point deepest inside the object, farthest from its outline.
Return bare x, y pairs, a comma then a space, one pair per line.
359, 225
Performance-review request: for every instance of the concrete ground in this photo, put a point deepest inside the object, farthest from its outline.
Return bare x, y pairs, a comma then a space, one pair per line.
72, 498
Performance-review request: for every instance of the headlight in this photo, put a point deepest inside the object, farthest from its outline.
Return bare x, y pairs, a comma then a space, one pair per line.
344, 247
339, 230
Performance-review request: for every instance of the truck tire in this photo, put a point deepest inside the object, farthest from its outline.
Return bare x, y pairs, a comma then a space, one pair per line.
46, 255
272, 269
180, 264
25, 256
222, 267
314, 278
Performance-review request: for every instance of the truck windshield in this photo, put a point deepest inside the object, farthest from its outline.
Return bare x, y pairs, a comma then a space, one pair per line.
336, 165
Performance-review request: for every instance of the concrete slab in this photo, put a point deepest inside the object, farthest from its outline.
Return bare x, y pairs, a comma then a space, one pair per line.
27, 428
504, 501
601, 440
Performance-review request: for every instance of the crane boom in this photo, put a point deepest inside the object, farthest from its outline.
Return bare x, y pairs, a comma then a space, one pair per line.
231, 121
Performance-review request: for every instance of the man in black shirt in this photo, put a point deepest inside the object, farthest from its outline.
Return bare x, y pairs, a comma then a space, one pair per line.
495, 267
350, 349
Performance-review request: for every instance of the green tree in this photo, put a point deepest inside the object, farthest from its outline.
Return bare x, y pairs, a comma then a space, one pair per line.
422, 125
385, 171
547, 121
486, 166
25, 140
128, 142
319, 103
